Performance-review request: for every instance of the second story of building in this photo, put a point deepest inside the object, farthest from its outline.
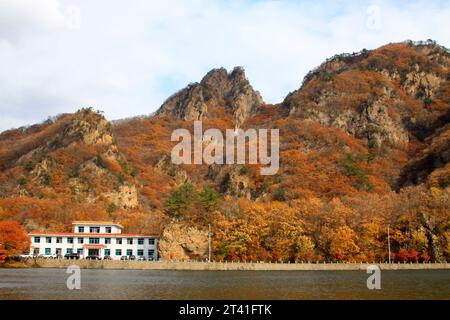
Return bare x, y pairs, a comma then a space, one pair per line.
96, 227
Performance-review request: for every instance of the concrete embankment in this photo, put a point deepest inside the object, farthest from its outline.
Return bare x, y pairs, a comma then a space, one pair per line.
222, 266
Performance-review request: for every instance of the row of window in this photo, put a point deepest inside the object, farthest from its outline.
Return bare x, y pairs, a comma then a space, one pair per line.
129, 252
94, 240
118, 252
94, 229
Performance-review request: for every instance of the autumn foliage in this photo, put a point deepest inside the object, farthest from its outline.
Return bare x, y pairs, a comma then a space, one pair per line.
13, 240
335, 194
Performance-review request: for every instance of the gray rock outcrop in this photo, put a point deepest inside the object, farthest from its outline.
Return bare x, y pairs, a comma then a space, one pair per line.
218, 88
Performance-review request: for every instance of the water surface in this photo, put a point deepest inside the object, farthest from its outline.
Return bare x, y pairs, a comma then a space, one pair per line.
155, 284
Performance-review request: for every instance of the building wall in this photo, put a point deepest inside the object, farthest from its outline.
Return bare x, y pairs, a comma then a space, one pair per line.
114, 245
102, 228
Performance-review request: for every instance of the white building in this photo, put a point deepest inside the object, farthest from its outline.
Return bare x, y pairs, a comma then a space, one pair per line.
94, 238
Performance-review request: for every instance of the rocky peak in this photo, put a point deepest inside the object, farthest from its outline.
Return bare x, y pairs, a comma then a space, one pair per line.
85, 127
216, 82
238, 75
218, 88
34, 143
383, 95
89, 127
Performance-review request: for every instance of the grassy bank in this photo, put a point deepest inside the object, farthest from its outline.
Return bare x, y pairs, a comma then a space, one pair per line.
13, 264
219, 266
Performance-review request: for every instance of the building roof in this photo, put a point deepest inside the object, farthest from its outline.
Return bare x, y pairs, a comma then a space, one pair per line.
109, 235
98, 223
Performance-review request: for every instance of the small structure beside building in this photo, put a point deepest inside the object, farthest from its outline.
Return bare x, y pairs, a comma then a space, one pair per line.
95, 239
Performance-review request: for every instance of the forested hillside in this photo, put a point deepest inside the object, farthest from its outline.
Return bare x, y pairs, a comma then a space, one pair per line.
364, 143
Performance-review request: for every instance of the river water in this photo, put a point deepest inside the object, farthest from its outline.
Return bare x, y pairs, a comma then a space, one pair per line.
155, 284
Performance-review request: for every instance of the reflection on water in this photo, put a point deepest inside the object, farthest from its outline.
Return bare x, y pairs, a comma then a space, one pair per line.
153, 284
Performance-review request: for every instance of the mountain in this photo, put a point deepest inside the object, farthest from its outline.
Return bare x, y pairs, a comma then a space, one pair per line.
69, 166
364, 143
393, 94
218, 88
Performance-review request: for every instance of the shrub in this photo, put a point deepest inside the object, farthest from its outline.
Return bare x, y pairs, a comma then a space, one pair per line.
414, 256
280, 194
425, 257
22, 181
99, 162
47, 179
209, 199
403, 255
181, 199
354, 170
13, 240
244, 170
111, 208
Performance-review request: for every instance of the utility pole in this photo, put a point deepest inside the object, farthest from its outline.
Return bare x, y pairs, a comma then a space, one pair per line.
389, 246
209, 242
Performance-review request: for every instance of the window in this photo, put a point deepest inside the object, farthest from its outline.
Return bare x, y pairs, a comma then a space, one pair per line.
94, 240
118, 252
37, 239
129, 252
70, 240
94, 229
107, 252
81, 229
48, 251
36, 251
58, 239
108, 230
118, 240
48, 239
107, 240
151, 253
141, 241
80, 240
69, 250
58, 250
129, 240
80, 251
140, 252
151, 241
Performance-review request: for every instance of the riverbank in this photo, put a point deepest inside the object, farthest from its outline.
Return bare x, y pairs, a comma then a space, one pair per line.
219, 266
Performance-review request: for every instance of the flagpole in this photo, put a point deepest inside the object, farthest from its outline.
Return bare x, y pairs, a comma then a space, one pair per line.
209, 242
389, 245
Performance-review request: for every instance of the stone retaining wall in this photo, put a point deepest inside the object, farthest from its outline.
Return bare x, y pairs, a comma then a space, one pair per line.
184, 265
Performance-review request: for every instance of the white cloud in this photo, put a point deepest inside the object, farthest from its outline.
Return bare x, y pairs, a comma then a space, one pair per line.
59, 55
21, 18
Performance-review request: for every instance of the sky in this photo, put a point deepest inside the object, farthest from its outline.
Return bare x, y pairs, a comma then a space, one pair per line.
126, 57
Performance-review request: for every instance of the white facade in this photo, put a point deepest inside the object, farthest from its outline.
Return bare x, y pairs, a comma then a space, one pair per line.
90, 238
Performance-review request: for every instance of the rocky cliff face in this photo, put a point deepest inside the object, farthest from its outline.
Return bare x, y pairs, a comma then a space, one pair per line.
181, 242
231, 180
217, 89
84, 128
384, 95
430, 165
76, 153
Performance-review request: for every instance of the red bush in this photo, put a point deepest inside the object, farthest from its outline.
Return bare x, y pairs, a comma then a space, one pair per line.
425, 257
414, 256
403, 255
13, 239
276, 256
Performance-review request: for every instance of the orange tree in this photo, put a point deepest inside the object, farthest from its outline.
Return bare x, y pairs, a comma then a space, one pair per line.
13, 239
